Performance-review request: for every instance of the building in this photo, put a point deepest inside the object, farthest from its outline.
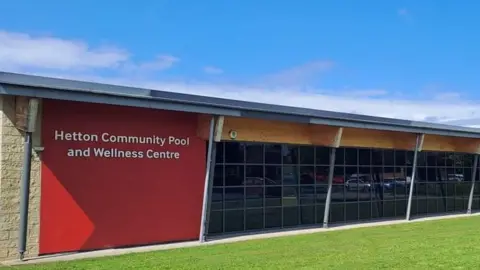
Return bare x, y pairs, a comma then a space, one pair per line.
116, 166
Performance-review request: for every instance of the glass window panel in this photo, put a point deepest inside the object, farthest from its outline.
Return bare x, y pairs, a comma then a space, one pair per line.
273, 175
273, 217
338, 175
476, 191
218, 176
290, 175
365, 184
290, 154
254, 175
217, 199
350, 173
389, 209
409, 159
307, 155
378, 190
442, 189
442, 174
254, 153
351, 156
307, 175
320, 209
307, 195
414, 210
377, 157
388, 173
421, 190
376, 209
365, 211
351, 212
468, 160
254, 196
290, 196
234, 152
449, 159
441, 159
234, 198
422, 174
322, 175
290, 216
462, 189
450, 189
353, 184
273, 196
458, 175
273, 154
476, 203
340, 194
422, 159
365, 173
219, 157
364, 156
450, 204
431, 174
234, 220
432, 158
234, 175
422, 206
254, 219
400, 208
389, 157
432, 205
461, 204
337, 213
400, 158
322, 155
467, 174
400, 188
339, 156
458, 159
307, 214
434, 190
321, 193
215, 224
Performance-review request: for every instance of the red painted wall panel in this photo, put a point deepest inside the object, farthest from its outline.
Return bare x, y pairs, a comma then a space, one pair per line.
93, 202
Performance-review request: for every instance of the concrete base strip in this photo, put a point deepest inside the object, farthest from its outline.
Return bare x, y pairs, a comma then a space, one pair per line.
231, 239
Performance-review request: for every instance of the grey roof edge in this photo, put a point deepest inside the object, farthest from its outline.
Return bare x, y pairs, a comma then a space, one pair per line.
187, 102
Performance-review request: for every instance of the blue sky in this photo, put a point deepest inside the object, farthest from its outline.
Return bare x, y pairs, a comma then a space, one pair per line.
405, 59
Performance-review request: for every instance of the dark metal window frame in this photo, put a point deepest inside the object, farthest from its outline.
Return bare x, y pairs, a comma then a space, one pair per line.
397, 203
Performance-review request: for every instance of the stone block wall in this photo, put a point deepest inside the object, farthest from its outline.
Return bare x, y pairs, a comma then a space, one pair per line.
11, 162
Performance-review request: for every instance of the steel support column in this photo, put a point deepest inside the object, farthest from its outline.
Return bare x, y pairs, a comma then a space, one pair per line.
331, 169
418, 147
472, 189
211, 153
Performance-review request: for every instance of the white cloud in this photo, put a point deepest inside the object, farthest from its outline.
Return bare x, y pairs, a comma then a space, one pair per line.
282, 90
23, 52
161, 62
298, 75
19, 50
366, 93
212, 70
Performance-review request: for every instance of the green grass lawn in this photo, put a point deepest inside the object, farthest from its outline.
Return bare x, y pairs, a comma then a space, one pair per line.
444, 244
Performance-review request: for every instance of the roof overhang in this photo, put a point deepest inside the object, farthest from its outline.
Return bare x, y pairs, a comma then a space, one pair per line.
51, 88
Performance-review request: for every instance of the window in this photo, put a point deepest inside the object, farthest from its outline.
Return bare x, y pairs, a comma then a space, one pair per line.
260, 186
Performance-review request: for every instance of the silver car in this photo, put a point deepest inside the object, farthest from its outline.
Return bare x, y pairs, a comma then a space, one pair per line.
357, 184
